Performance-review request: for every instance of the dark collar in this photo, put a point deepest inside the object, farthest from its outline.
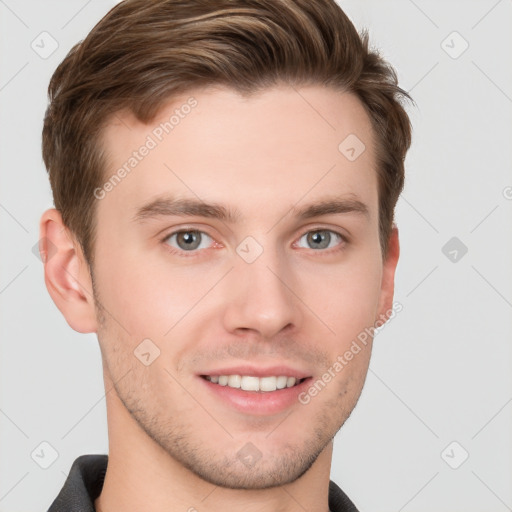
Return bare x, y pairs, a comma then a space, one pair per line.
85, 481
82, 486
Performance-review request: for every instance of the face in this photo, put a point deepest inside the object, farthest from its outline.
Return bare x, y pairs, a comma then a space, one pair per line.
241, 246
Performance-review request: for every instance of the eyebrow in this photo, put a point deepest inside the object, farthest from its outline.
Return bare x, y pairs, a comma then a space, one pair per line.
168, 206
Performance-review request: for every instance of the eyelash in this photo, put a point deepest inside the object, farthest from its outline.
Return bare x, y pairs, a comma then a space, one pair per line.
187, 254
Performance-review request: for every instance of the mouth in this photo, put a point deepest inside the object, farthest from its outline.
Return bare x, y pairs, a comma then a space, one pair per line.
256, 384
256, 391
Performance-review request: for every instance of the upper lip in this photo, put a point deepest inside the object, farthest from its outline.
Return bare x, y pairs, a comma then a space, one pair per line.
255, 371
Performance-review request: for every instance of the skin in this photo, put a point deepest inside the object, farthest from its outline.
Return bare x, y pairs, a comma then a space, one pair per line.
172, 446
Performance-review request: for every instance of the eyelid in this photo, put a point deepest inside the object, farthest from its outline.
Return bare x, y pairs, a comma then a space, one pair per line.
343, 233
186, 230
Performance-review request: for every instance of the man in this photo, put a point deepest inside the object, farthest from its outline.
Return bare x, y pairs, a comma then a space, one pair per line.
225, 175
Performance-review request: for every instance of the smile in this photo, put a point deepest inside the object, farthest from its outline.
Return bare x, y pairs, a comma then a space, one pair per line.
252, 383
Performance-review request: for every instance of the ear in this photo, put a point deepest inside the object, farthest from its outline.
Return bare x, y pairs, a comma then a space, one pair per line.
388, 276
66, 273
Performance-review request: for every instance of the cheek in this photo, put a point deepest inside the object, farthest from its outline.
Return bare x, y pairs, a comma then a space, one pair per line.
148, 295
344, 296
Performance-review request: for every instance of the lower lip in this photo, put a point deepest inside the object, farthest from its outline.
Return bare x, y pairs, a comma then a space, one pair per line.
255, 402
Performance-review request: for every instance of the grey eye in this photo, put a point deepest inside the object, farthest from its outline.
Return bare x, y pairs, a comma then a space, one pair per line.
189, 240
320, 239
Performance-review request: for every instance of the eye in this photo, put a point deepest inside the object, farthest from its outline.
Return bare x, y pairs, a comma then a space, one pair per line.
189, 240
321, 239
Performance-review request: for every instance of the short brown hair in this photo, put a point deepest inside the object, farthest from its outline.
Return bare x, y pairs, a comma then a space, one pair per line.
144, 52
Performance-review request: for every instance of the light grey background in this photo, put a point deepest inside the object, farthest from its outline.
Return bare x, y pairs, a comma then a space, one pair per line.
441, 370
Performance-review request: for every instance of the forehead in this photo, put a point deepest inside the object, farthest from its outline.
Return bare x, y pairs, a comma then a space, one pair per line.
277, 146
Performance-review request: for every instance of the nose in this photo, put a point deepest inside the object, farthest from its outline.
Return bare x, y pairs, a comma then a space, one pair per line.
260, 298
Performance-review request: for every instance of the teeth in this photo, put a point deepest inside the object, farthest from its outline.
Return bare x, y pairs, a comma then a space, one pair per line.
290, 382
251, 383
268, 383
234, 381
280, 382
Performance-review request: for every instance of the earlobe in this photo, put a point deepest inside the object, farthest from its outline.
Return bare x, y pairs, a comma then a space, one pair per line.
388, 276
66, 273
